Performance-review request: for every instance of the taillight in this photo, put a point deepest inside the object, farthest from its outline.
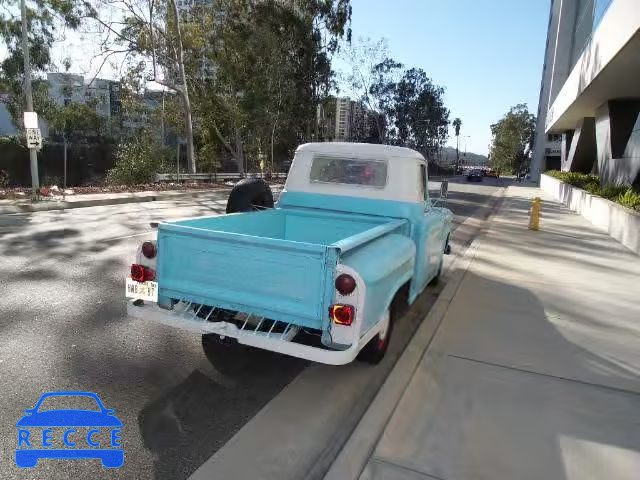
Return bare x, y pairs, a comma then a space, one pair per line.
345, 284
342, 314
149, 249
140, 273
149, 274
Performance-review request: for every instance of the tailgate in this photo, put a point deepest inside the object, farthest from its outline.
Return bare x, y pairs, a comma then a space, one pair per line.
273, 278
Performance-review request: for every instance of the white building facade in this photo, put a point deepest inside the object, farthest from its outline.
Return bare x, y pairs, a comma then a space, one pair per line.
588, 113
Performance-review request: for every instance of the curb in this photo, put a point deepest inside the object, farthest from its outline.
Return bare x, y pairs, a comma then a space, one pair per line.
135, 198
360, 446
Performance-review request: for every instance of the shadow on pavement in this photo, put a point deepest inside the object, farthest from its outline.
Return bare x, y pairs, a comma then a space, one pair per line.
534, 384
191, 421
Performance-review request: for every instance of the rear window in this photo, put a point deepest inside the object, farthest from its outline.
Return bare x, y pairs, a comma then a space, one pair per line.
350, 171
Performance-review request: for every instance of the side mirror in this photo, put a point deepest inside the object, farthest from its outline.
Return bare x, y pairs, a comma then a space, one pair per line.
444, 189
441, 201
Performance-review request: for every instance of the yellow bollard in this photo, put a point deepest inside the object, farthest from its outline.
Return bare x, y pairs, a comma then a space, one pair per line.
534, 217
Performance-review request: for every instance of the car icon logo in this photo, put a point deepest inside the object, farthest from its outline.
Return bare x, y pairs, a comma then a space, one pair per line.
69, 433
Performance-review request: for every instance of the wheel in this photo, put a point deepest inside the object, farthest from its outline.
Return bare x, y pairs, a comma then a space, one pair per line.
243, 363
374, 351
250, 194
436, 279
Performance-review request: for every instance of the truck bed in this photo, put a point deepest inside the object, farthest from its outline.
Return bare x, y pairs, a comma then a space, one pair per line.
278, 264
318, 228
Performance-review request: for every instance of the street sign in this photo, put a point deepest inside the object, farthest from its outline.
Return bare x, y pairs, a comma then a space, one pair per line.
34, 139
30, 120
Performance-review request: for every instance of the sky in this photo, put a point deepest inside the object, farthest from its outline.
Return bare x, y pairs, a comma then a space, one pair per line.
488, 54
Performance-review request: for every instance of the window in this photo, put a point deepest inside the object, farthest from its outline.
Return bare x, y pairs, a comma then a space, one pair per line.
423, 181
350, 171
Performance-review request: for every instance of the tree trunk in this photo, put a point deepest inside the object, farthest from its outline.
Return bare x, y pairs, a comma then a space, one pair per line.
191, 160
64, 162
380, 128
273, 133
239, 157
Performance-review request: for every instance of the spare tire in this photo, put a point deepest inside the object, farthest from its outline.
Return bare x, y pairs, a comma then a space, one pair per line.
250, 194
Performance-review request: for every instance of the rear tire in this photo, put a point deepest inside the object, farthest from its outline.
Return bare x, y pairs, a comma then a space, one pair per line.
250, 194
374, 351
237, 361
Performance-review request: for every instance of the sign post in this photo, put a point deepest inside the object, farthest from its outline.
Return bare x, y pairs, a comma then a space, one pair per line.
29, 114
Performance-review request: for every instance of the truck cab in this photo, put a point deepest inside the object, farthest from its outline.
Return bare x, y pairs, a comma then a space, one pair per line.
352, 236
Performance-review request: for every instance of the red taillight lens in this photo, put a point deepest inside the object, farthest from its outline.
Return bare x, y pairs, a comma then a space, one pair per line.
149, 249
342, 314
345, 284
149, 274
137, 273
140, 273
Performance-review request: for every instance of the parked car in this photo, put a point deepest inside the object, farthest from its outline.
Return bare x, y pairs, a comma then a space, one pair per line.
474, 175
353, 239
492, 173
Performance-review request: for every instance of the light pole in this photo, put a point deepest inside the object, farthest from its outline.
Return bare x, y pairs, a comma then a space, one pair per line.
33, 156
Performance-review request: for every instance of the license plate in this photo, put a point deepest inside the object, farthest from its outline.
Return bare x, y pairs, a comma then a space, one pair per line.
142, 290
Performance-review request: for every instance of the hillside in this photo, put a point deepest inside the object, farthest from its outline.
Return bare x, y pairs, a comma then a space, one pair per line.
449, 156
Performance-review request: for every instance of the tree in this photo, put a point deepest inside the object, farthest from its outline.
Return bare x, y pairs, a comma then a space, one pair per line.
420, 119
372, 76
44, 19
457, 123
512, 140
151, 30
272, 69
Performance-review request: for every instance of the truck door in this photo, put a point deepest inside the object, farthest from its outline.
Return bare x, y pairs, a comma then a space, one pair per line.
429, 235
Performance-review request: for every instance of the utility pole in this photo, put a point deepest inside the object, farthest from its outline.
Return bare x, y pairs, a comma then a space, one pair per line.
33, 156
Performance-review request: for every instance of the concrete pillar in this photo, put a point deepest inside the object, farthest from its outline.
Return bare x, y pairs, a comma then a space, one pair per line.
582, 152
562, 16
618, 140
565, 146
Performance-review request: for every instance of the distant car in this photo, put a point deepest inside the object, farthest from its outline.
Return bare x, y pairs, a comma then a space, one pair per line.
474, 175
492, 174
65, 418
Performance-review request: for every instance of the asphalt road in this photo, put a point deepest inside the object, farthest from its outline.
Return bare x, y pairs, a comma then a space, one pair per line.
63, 327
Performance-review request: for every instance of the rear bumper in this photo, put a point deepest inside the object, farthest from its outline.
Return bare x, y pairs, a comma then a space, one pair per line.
184, 317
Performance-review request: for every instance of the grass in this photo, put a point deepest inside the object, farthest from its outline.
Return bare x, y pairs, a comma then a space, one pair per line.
622, 194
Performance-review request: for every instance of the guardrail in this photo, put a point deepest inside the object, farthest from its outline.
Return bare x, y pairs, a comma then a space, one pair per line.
212, 177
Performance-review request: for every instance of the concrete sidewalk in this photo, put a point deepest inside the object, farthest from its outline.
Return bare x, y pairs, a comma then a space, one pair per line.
535, 370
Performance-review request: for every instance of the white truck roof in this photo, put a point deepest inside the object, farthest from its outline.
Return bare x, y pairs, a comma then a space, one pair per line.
360, 150
404, 178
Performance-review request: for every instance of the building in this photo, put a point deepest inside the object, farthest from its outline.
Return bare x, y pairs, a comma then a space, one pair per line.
66, 88
590, 93
343, 119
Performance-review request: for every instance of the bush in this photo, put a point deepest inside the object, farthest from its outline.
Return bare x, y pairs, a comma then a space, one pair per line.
137, 160
629, 199
622, 194
612, 191
585, 181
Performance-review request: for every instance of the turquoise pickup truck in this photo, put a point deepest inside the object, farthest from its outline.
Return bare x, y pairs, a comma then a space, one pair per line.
352, 239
